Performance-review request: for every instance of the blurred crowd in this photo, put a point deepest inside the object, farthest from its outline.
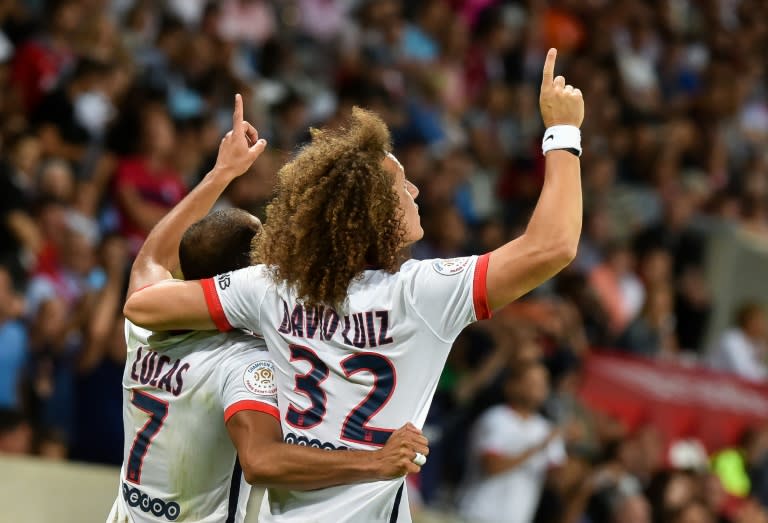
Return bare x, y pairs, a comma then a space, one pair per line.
110, 111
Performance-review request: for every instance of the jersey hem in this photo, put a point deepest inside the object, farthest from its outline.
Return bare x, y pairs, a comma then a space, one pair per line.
258, 406
214, 305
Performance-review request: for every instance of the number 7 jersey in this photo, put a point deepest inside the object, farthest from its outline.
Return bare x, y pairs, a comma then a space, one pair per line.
179, 390
348, 379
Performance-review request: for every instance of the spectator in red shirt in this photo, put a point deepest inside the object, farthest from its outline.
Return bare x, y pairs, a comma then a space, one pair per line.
40, 62
147, 186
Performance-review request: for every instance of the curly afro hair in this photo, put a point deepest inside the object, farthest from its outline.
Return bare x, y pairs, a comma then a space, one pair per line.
335, 213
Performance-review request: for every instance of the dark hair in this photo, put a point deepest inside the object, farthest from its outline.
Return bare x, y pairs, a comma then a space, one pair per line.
220, 242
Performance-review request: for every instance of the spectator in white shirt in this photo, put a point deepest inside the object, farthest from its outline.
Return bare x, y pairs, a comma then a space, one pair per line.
741, 350
512, 447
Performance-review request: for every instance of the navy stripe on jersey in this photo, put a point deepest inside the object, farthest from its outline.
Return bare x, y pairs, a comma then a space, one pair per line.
396, 508
234, 491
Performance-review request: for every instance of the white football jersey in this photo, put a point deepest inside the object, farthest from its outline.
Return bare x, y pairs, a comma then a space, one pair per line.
179, 463
349, 379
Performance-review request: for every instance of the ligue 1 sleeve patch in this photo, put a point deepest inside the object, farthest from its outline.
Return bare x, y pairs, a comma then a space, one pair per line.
259, 378
451, 267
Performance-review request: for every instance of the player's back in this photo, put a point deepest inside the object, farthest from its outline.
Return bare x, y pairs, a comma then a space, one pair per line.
348, 379
179, 463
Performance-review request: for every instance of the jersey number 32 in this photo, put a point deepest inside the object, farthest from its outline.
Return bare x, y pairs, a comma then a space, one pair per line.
355, 427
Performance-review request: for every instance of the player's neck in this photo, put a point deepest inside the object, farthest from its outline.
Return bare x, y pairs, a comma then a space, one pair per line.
521, 410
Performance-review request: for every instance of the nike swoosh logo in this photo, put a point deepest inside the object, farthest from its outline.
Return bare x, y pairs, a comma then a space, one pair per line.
549, 137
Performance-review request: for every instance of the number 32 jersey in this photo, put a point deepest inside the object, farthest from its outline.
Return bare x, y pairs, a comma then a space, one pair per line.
347, 379
179, 463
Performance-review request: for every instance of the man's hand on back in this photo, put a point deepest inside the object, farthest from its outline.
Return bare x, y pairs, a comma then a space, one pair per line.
240, 147
396, 458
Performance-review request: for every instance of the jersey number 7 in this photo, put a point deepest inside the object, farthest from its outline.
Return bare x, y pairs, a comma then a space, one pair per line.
158, 411
355, 427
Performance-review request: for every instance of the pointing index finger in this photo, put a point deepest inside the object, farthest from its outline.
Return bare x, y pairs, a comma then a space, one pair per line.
549, 68
237, 115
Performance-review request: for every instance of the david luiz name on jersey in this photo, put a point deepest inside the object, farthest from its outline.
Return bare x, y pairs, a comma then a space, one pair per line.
361, 329
159, 371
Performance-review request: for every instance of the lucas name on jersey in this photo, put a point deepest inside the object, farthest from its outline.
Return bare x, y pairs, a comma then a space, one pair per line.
159, 371
361, 329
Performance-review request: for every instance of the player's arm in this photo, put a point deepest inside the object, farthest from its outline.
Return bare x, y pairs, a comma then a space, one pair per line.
169, 305
267, 461
551, 238
160, 253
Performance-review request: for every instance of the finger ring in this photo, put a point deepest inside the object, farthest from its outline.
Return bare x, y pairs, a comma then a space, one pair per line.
420, 459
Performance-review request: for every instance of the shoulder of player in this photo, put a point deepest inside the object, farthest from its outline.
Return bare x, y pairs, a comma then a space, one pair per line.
436, 266
235, 348
213, 347
254, 274
230, 342
499, 415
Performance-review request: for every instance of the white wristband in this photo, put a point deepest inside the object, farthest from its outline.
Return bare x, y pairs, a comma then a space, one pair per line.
562, 137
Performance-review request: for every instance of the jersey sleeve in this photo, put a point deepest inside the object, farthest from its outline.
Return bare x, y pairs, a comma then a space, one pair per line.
249, 383
233, 298
489, 438
449, 294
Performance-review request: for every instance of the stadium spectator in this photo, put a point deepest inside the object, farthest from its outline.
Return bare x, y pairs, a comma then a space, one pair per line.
40, 62
146, 186
19, 233
14, 349
617, 286
653, 332
99, 365
741, 350
70, 117
512, 448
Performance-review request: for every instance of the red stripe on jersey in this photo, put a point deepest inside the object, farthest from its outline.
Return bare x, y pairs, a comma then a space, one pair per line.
480, 288
214, 305
259, 406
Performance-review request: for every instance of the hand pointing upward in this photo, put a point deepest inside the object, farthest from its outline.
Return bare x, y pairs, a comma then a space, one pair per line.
560, 104
241, 146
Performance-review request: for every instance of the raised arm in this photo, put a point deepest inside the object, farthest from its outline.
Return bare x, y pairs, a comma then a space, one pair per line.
269, 462
552, 236
160, 253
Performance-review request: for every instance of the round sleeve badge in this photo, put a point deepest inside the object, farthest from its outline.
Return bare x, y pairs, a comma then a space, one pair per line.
451, 266
259, 378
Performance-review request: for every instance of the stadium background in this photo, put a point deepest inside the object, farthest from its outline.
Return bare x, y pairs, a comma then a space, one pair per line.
111, 110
